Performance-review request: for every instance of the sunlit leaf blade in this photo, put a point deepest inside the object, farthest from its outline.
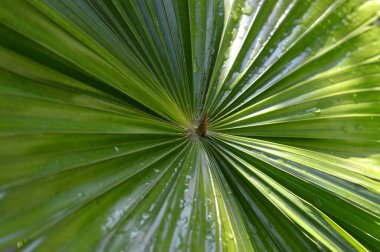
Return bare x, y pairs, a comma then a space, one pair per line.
87, 51
164, 125
355, 184
206, 19
328, 35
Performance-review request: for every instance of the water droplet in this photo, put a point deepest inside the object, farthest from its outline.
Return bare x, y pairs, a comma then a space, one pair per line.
145, 216
134, 233
234, 33
314, 110
230, 236
226, 55
248, 9
235, 15
116, 149
195, 67
80, 194
267, 190
20, 244
183, 221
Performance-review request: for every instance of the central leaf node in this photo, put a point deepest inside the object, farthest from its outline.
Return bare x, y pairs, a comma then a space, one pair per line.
203, 125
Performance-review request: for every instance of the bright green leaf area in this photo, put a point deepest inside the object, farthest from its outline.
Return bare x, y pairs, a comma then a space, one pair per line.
189, 125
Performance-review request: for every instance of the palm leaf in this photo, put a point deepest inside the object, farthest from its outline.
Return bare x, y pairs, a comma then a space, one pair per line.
104, 104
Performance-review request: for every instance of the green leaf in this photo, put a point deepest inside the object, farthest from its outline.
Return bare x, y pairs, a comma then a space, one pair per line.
164, 125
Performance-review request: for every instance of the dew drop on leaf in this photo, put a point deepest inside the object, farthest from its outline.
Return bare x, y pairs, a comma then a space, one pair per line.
20, 244
248, 9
